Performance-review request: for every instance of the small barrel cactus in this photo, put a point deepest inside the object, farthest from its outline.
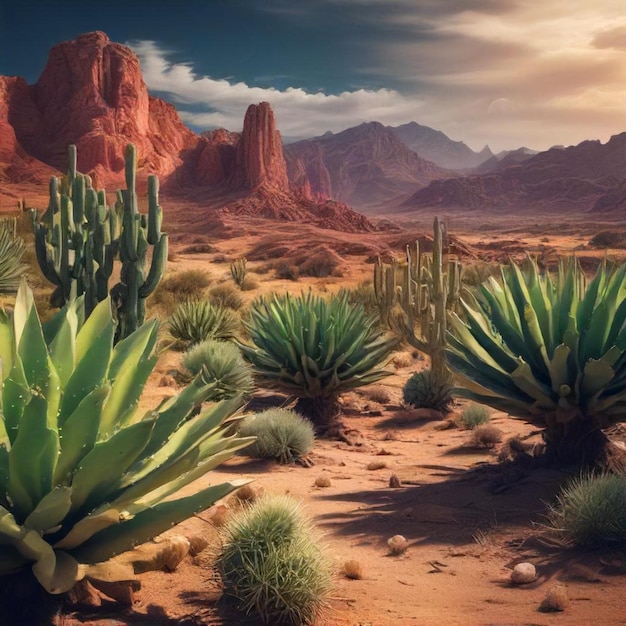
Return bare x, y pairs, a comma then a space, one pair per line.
424, 390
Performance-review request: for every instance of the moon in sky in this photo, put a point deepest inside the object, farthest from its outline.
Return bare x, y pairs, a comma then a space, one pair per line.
501, 106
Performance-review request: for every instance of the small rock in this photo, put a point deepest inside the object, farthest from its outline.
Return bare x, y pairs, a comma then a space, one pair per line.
523, 573
556, 599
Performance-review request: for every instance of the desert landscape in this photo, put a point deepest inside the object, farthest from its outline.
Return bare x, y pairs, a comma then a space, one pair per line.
319, 214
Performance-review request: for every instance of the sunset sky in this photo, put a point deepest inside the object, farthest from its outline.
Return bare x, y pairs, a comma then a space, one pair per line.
501, 72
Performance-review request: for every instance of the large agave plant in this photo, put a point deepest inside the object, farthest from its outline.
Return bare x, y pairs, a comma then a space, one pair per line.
315, 350
550, 350
83, 476
11, 252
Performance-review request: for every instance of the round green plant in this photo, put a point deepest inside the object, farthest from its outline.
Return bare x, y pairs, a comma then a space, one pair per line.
315, 349
272, 566
194, 321
221, 364
281, 434
424, 390
591, 511
474, 415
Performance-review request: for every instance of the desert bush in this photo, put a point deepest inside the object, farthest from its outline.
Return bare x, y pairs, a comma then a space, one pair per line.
185, 285
238, 271
271, 564
474, 415
364, 295
281, 434
220, 364
550, 350
315, 349
591, 511
227, 296
485, 436
286, 271
615, 238
477, 273
194, 321
323, 263
77, 453
198, 248
424, 391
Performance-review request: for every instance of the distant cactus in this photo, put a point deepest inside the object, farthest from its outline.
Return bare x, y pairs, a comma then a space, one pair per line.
238, 271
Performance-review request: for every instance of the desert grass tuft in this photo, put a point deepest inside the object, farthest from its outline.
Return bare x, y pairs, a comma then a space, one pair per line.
281, 434
591, 511
474, 415
485, 436
352, 569
397, 545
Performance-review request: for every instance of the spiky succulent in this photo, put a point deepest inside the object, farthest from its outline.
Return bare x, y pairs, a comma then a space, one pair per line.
314, 348
271, 564
11, 252
83, 476
221, 364
424, 390
194, 321
551, 350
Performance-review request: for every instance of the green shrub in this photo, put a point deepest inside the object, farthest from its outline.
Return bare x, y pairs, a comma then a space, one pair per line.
221, 364
194, 321
315, 349
591, 510
473, 415
280, 434
271, 565
227, 296
550, 350
423, 391
83, 474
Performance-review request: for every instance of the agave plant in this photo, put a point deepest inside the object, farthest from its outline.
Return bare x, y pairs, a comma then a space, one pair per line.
315, 350
83, 475
549, 350
194, 321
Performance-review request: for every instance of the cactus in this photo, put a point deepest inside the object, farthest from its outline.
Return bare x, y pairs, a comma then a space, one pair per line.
76, 238
138, 233
425, 288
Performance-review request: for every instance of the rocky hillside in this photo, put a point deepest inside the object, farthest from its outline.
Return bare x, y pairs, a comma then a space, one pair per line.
366, 166
439, 148
583, 177
91, 93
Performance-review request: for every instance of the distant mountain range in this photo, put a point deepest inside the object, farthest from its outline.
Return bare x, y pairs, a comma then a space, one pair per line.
91, 93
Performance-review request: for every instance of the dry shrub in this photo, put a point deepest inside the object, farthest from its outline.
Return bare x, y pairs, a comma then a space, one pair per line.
377, 394
322, 481
615, 238
352, 569
198, 248
376, 465
185, 285
397, 545
324, 263
485, 436
226, 296
250, 283
286, 271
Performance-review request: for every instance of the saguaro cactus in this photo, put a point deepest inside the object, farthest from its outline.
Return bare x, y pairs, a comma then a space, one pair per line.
138, 233
76, 238
425, 288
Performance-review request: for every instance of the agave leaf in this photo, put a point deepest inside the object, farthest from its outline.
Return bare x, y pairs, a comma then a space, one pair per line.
149, 523
88, 526
7, 346
99, 323
51, 510
80, 432
524, 378
58, 572
32, 458
63, 346
596, 375
102, 467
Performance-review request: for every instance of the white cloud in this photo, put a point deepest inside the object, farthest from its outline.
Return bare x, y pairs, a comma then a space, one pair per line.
299, 113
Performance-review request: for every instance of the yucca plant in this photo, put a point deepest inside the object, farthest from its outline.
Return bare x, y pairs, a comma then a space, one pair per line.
315, 349
83, 475
194, 321
11, 252
220, 363
550, 350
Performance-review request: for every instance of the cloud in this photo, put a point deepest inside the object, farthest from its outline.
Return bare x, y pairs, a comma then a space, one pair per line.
299, 113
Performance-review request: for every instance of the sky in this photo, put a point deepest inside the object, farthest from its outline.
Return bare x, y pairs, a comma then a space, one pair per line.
507, 73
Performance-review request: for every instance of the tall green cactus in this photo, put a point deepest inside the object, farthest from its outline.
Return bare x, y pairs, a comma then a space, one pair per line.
137, 281
425, 288
79, 237
76, 238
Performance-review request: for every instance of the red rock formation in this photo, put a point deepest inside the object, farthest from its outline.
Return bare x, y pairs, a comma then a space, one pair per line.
91, 93
259, 161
